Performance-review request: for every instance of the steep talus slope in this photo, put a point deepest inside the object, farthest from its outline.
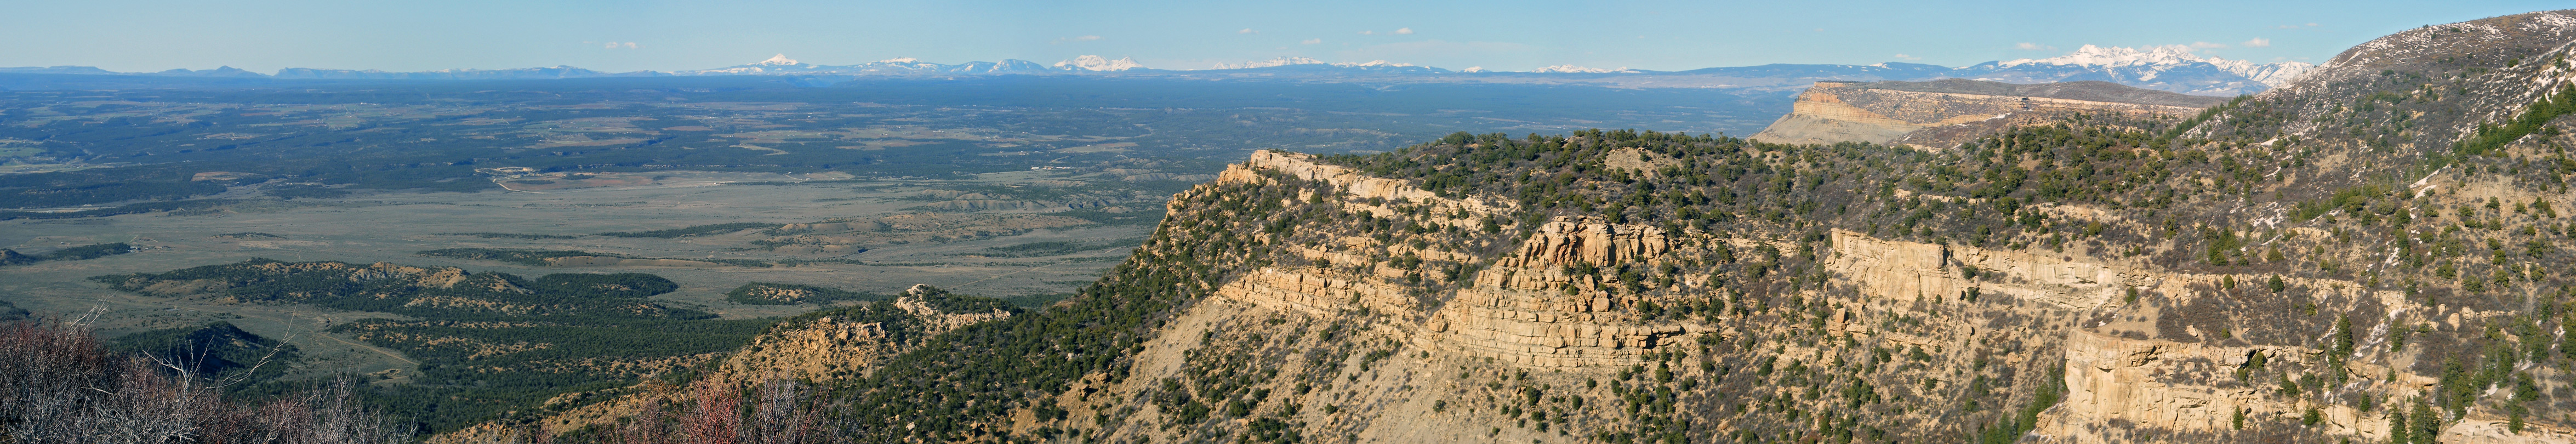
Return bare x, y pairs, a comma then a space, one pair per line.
1943, 113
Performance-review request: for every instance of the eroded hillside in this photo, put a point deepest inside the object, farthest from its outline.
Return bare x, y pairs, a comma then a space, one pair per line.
2242, 274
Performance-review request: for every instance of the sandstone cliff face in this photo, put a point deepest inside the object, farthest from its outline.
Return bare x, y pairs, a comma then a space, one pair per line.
2086, 284
2153, 382
1910, 271
1524, 309
1357, 186
2128, 390
2171, 385
2139, 353
1833, 112
1527, 310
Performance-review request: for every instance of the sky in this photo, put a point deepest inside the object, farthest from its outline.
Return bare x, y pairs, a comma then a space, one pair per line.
630, 35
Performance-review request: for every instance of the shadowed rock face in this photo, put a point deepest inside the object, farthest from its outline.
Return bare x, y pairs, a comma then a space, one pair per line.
1942, 113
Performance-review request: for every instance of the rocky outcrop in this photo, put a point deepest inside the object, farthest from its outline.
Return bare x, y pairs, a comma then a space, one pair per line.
1526, 309
1358, 186
1568, 243
1942, 114
2180, 387
836, 347
1908, 271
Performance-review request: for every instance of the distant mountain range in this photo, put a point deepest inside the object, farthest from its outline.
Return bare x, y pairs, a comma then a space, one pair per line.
2167, 68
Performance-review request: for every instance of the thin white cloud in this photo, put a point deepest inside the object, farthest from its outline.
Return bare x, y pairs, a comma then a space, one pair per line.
1907, 57
1367, 32
620, 45
1247, 31
1404, 30
2312, 24
2257, 42
1086, 38
1311, 41
2028, 46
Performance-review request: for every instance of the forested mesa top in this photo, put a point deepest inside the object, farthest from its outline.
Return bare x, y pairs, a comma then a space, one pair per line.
2371, 254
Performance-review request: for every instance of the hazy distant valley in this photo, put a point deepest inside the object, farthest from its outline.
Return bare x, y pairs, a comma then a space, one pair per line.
2110, 246
1017, 188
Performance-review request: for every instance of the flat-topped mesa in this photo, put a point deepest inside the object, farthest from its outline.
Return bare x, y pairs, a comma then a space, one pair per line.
1943, 113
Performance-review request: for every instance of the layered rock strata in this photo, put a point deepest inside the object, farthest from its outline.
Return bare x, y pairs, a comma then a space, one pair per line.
1938, 115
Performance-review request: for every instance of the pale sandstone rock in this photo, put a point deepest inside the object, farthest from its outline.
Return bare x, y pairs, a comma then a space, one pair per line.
1832, 112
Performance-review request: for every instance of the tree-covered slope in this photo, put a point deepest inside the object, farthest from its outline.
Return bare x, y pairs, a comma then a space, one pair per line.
2350, 259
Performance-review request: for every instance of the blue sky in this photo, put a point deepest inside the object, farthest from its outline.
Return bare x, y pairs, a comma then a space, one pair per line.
264, 35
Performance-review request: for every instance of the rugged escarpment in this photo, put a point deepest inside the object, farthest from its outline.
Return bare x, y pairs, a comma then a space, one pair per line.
1943, 113
2106, 277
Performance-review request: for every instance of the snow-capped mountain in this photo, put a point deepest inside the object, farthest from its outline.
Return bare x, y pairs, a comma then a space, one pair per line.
2274, 74
778, 64
1006, 66
1098, 63
2155, 61
1374, 64
2090, 55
